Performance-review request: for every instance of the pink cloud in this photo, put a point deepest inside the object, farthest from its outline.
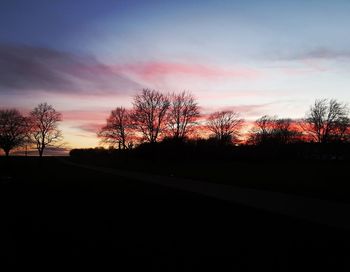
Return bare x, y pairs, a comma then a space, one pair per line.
244, 110
85, 115
238, 94
86, 121
152, 70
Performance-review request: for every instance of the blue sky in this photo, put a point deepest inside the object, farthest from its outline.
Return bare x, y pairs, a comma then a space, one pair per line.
87, 57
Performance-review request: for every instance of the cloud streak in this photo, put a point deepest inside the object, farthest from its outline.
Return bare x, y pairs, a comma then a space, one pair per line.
317, 54
84, 115
31, 69
246, 111
24, 68
154, 70
90, 127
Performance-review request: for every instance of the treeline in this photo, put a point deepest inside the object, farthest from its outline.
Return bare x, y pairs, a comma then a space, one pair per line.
174, 121
156, 116
38, 129
196, 150
172, 126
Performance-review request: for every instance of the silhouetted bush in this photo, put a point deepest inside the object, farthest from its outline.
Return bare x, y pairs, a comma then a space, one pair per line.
212, 149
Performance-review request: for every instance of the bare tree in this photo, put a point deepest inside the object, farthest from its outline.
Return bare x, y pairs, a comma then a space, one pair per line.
272, 130
44, 127
327, 120
262, 130
149, 112
225, 125
13, 130
118, 129
342, 129
182, 115
285, 131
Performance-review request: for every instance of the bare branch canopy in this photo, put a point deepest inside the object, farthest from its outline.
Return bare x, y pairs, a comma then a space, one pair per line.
44, 130
225, 125
182, 115
327, 120
13, 130
149, 114
118, 129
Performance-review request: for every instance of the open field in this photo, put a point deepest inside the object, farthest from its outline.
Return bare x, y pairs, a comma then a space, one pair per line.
312, 178
55, 213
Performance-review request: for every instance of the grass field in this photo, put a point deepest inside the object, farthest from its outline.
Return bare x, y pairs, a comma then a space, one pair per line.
55, 214
320, 179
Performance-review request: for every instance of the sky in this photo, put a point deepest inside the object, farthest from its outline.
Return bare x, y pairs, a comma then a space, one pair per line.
86, 57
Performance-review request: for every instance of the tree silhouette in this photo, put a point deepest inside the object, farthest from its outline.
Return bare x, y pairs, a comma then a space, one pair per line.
118, 129
149, 112
182, 115
44, 127
13, 130
285, 131
272, 130
327, 120
225, 125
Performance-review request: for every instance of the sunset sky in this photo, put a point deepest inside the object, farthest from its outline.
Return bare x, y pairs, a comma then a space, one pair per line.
86, 57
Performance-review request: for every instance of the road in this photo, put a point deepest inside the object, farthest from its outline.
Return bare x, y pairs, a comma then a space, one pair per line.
62, 214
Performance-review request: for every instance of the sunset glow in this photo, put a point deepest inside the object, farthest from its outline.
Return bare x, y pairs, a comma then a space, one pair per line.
256, 58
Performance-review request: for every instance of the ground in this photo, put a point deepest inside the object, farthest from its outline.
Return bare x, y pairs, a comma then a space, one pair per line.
312, 178
54, 213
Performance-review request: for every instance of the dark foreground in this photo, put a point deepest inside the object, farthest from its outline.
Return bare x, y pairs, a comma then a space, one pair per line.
54, 214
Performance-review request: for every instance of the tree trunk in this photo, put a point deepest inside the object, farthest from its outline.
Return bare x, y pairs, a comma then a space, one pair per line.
7, 152
123, 143
41, 151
